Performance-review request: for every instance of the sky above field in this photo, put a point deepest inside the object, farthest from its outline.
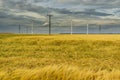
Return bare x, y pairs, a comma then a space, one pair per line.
13, 12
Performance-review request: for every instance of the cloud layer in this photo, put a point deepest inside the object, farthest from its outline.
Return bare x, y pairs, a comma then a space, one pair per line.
26, 10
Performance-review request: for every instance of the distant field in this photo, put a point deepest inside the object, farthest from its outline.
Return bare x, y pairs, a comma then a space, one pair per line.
59, 57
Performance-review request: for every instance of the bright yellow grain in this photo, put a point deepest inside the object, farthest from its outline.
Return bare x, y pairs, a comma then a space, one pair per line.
59, 57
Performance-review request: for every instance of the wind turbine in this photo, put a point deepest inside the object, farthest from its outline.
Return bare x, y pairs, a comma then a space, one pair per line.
71, 26
49, 18
19, 28
87, 28
100, 29
71, 21
32, 27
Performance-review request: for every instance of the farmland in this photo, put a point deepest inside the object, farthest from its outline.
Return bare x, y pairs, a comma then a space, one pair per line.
59, 57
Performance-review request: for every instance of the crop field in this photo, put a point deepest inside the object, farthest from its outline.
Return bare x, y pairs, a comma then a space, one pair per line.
59, 57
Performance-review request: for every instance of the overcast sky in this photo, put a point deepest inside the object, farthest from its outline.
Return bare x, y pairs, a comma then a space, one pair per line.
106, 6
20, 11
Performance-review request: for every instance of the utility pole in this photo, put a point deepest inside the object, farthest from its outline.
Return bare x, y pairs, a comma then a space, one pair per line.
71, 26
87, 28
19, 28
49, 19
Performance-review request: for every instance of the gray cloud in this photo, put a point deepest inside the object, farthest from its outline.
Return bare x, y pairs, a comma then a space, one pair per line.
63, 3
89, 1
85, 9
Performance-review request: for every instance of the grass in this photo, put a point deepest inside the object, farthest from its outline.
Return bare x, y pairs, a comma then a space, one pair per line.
59, 57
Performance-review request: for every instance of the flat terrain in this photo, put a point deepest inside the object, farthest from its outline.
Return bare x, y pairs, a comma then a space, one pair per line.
59, 57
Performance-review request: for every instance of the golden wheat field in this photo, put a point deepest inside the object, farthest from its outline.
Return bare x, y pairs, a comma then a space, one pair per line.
59, 57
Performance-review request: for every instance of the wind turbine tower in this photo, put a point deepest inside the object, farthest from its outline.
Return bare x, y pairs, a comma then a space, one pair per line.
71, 26
49, 20
87, 28
32, 27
